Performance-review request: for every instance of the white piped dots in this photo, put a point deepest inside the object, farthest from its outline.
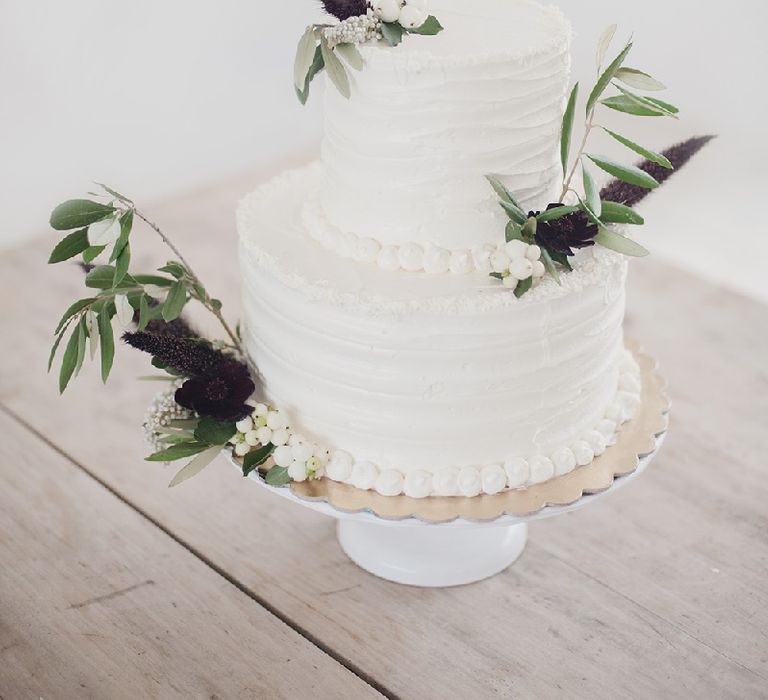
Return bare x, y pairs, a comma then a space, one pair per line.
607, 428
388, 258
596, 441
629, 382
446, 482
542, 469
564, 461
583, 452
494, 479
418, 484
340, 466
364, 475
411, 257
518, 472
367, 250
390, 483
436, 260
469, 482
461, 262
481, 256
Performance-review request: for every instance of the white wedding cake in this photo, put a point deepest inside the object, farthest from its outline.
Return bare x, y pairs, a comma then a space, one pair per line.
368, 306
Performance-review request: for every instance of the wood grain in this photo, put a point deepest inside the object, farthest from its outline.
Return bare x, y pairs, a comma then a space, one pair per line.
99, 603
677, 609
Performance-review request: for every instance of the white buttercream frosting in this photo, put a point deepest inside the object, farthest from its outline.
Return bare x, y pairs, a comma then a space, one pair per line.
431, 384
404, 158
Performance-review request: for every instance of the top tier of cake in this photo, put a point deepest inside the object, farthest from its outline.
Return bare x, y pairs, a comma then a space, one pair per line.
405, 157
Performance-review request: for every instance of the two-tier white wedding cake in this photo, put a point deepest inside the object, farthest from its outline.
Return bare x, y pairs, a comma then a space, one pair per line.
368, 306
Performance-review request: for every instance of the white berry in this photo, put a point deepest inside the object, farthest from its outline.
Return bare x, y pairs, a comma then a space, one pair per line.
297, 471
412, 17
499, 261
245, 425
277, 420
296, 439
521, 268
242, 449
283, 456
260, 410
264, 435
302, 452
538, 269
533, 253
510, 282
516, 249
280, 437
387, 10
252, 438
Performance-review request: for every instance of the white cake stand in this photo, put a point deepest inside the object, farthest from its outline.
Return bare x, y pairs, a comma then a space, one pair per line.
438, 555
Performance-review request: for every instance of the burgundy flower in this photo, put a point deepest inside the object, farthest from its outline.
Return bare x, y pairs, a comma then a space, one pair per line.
678, 155
344, 9
220, 393
566, 233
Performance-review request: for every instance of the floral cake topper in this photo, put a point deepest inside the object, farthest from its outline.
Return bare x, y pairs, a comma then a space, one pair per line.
333, 47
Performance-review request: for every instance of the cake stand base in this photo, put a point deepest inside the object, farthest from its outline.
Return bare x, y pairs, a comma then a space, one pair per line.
431, 557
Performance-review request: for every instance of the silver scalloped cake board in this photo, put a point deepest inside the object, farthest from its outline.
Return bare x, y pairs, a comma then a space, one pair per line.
441, 542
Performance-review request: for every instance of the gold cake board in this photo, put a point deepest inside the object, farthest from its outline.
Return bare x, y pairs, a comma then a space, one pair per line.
637, 440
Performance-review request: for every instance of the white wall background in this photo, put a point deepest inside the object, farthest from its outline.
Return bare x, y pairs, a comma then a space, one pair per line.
159, 96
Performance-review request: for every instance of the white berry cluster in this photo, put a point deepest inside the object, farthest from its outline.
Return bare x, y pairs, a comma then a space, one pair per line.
355, 30
160, 413
269, 426
516, 262
411, 14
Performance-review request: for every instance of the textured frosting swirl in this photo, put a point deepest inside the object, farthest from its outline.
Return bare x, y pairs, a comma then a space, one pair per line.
405, 157
415, 373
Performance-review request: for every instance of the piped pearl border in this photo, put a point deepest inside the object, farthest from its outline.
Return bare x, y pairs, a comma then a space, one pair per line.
514, 473
407, 257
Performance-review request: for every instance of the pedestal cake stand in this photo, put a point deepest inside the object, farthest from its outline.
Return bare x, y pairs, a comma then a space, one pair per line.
442, 542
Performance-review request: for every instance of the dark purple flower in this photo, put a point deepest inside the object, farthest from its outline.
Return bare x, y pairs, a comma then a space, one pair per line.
220, 393
189, 357
566, 233
344, 9
678, 155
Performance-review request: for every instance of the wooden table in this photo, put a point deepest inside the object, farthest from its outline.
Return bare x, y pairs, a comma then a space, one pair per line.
113, 586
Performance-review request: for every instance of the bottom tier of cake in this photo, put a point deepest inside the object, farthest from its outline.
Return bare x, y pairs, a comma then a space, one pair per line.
430, 384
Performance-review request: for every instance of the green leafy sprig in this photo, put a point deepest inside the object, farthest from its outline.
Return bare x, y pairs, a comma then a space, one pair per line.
316, 53
96, 228
615, 75
600, 214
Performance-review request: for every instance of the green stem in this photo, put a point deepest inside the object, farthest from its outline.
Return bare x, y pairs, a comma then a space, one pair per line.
589, 125
196, 282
